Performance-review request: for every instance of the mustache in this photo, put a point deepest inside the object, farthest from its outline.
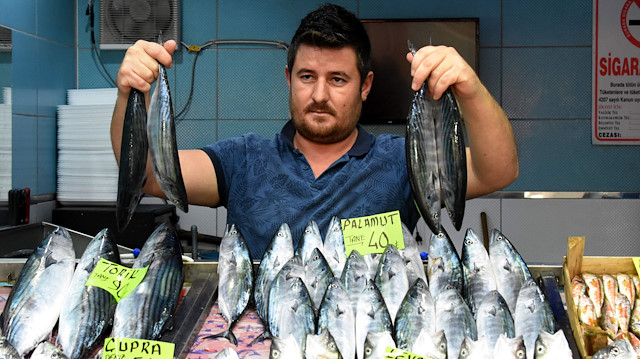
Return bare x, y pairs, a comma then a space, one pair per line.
320, 107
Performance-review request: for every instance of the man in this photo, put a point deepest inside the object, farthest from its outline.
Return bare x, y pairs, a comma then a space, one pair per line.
323, 163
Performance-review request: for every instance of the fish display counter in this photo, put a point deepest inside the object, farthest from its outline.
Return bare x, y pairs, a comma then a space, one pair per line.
198, 320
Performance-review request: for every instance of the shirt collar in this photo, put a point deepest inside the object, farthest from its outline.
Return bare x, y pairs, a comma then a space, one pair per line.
359, 148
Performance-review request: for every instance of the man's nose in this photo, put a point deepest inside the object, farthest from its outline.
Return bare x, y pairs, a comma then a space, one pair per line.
320, 92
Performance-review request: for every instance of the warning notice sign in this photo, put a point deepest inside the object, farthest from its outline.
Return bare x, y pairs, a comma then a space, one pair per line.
616, 66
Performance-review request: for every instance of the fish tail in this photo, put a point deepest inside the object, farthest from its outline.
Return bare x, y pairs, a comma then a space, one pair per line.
264, 335
226, 334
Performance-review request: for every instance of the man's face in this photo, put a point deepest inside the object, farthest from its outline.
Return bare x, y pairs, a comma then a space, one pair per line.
325, 95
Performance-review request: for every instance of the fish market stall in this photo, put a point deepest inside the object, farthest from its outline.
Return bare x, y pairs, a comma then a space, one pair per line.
198, 320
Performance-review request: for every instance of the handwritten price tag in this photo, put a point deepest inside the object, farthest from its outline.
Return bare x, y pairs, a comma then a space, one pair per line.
125, 348
393, 353
115, 278
636, 261
372, 234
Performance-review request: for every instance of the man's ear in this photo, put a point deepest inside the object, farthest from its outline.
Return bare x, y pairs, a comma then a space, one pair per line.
288, 75
366, 86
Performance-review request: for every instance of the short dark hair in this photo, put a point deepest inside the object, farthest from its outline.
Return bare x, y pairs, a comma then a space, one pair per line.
335, 27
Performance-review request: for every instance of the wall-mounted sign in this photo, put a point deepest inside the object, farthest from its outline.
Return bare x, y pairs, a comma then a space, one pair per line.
616, 66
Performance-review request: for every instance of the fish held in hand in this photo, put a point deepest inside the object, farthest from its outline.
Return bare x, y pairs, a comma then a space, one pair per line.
163, 147
133, 159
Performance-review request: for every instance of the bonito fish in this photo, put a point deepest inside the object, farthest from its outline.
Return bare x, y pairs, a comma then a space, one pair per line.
278, 252
46, 350
478, 270
510, 269
494, 318
452, 155
334, 250
422, 157
36, 299
533, 314
322, 346
444, 267
336, 316
376, 344
417, 312
163, 148
87, 313
133, 158
454, 317
146, 312
391, 279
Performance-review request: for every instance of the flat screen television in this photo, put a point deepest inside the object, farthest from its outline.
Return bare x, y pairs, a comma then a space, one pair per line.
391, 94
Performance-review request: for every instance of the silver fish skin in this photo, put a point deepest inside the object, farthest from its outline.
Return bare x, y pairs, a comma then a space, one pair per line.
46, 350
375, 345
478, 270
7, 351
285, 348
311, 238
422, 159
509, 348
147, 311
494, 318
133, 158
354, 278
281, 284
295, 315
416, 313
455, 318
317, 276
533, 314
373, 261
431, 344
444, 266
552, 346
87, 313
452, 156
322, 346
510, 269
336, 315
163, 147
475, 349
277, 253
334, 250
227, 353
391, 279
39, 292
372, 315
619, 349
411, 255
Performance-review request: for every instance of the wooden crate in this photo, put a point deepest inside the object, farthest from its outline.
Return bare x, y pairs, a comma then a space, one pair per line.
588, 339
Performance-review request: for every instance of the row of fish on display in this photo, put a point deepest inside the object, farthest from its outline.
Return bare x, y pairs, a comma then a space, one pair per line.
610, 302
149, 132
314, 300
50, 290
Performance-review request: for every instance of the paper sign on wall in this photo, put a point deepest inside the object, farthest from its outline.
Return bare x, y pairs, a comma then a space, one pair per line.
372, 234
395, 353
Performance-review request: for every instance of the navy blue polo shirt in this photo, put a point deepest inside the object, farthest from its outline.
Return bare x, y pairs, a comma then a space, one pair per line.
264, 183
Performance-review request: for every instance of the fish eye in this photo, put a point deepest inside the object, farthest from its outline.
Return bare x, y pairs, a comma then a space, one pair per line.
540, 349
440, 235
520, 354
500, 238
615, 351
468, 241
463, 352
307, 231
443, 346
280, 234
316, 257
234, 232
368, 350
332, 347
275, 353
55, 355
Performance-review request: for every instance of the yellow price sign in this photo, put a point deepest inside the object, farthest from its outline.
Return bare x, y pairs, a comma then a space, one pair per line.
372, 234
392, 353
126, 348
115, 278
636, 261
